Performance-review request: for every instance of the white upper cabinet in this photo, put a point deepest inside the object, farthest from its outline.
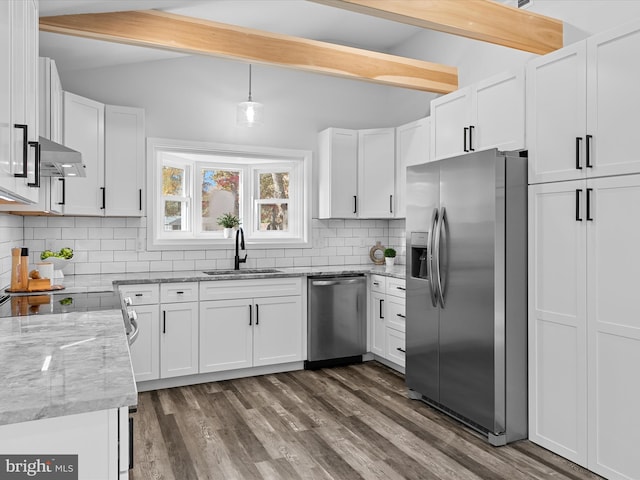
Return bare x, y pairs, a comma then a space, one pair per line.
556, 115
18, 100
124, 161
338, 173
488, 114
613, 102
376, 172
582, 104
111, 140
84, 132
412, 148
356, 173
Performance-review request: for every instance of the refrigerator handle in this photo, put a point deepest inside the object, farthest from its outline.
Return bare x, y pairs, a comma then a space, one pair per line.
430, 242
436, 254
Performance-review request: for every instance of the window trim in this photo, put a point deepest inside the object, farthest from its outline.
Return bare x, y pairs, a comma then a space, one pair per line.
156, 146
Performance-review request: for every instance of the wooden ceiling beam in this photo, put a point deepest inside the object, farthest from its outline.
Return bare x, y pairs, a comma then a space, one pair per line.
484, 20
189, 35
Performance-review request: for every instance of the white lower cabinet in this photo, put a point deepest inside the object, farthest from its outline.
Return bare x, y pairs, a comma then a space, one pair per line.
250, 331
387, 318
145, 351
100, 439
178, 339
584, 332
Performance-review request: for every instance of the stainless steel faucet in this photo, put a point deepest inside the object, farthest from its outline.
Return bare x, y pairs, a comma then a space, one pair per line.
237, 259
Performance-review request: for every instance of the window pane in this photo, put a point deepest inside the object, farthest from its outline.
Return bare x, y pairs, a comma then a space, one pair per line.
273, 216
173, 216
220, 195
173, 181
274, 185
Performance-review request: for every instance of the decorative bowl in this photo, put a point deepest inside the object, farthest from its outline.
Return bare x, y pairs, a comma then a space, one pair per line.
58, 264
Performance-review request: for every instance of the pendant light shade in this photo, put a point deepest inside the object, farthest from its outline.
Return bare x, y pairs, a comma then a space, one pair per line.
249, 113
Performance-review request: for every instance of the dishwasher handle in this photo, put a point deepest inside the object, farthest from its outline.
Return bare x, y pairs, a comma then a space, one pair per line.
331, 283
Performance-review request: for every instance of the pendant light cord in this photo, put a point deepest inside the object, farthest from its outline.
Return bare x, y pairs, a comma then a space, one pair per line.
250, 82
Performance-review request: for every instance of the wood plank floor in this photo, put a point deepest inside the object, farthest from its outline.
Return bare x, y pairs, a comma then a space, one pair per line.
342, 423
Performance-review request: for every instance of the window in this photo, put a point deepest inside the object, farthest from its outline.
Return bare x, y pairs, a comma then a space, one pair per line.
193, 184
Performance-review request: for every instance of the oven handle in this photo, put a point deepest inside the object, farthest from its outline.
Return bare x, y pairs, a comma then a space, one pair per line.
133, 335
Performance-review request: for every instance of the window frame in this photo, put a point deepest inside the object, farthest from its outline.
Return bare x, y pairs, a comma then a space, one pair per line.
251, 160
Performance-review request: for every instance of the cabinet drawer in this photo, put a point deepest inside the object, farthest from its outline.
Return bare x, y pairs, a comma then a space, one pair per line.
179, 292
395, 313
146, 294
396, 287
233, 289
378, 283
395, 346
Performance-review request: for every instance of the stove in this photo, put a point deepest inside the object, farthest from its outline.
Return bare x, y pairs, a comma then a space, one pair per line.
58, 302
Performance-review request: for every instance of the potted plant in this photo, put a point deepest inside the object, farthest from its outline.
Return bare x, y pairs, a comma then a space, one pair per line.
228, 221
389, 256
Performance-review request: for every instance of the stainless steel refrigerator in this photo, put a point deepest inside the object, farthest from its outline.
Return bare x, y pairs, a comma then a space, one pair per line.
467, 290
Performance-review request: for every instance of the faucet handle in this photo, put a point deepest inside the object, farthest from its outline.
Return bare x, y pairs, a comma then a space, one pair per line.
244, 260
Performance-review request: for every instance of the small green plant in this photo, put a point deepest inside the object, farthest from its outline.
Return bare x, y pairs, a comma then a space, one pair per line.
228, 220
389, 253
63, 253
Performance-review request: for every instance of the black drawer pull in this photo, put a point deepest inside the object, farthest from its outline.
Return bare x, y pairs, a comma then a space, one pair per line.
139, 294
180, 292
401, 288
401, 315
401, 350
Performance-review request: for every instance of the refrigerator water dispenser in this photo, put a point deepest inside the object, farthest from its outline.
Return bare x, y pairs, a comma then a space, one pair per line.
419, 257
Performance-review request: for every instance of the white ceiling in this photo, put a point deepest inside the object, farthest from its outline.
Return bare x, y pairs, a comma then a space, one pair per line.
299, 18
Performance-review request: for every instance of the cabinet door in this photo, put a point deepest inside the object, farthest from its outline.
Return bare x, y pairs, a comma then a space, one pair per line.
337, 169
7, 180
84, 131
450, 115
556, 115
226, 335
377, 324
613, 101
498, 104
557, 319
376, 172
124, 161
396, 346
145, 354
412, 148
179, 339
277, 331
613, 262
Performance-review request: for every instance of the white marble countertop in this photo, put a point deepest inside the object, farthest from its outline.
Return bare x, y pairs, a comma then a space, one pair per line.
63, 364
105, 282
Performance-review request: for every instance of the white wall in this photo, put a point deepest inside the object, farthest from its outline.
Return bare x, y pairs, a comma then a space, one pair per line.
10, 236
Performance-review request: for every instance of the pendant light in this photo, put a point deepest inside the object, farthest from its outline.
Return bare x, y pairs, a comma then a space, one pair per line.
249, 113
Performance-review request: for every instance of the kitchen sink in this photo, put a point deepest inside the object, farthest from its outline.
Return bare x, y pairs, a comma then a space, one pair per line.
245, 271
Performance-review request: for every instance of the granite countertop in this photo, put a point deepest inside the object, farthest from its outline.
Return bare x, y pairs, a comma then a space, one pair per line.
89, 367
106, 282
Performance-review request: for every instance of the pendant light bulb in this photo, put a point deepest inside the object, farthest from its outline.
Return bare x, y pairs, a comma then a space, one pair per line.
249, 113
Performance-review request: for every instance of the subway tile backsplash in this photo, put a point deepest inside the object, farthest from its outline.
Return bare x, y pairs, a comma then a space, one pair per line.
10, 236
111, 245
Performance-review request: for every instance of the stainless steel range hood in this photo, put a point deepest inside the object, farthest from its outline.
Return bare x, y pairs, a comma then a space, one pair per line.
56, 160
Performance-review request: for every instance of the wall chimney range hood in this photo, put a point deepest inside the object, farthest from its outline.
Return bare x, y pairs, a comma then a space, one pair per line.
56, 160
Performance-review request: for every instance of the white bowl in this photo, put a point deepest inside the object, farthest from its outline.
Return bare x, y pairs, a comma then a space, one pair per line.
58, 264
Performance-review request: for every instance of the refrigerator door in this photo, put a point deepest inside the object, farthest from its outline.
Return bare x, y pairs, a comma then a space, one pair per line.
423, 194
470, 219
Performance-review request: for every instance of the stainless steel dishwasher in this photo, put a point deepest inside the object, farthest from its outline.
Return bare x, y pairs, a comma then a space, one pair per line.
337, 318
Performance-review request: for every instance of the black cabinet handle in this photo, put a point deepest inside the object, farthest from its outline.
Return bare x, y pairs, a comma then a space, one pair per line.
589, 218
380, 314
464, 136
139, 294
401, 315
104, 197
588, 150
390, 203
257, 314
401, 288
578, 141
130, 443
164, 321
180, 292
471, 149
64, 191
355, 204
36, 183
578, 193
25, 147
401, 350
140, 199
250, 315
